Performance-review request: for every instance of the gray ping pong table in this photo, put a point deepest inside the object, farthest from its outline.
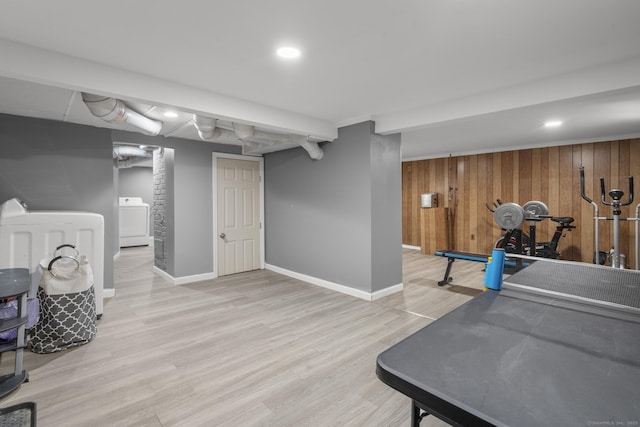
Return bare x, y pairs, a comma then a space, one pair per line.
559, 345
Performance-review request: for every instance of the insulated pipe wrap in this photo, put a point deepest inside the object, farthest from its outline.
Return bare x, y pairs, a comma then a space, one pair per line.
130, 151
314, 150
206, 127
243, 131
113, 110
108, 109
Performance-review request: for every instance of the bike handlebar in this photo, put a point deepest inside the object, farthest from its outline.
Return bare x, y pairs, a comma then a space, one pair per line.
495, 205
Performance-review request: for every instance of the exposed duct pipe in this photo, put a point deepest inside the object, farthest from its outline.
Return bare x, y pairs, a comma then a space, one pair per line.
128, 163
121, 151
206, 127
249, 137
115, 111
270, 138
208, 131
244, 131
254, 148
314, 150
127, 156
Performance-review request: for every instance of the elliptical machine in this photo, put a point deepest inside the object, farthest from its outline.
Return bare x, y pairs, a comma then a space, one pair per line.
617, 261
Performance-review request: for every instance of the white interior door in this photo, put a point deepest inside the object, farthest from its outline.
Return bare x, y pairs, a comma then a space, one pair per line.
238, 215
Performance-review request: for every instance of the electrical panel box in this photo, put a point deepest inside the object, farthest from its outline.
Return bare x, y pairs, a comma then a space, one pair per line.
429, 200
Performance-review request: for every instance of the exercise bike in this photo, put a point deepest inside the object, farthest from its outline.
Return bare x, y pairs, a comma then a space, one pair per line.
511, 216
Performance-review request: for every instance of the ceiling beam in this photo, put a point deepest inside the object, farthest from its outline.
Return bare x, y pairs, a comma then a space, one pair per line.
41, 66
606, 78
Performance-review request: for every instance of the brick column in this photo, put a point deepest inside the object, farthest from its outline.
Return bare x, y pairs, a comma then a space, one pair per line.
159, 203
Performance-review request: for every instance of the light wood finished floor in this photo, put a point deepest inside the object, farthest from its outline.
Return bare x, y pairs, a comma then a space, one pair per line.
253, 349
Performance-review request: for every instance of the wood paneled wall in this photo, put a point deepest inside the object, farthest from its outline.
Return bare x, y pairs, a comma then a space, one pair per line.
550, 175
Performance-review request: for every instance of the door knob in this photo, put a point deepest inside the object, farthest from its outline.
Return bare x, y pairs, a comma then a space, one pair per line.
222, 235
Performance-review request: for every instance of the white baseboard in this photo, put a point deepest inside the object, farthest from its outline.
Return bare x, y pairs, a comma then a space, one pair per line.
184, 279
126, 242
108, 293
367, 296
387, 291
117, 255
417, 248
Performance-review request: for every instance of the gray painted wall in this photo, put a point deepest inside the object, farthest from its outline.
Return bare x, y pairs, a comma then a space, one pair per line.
62, 166
136, 182
338, 219
170, 214
59, 166
323, 217
192, 243
115, 238
386, 211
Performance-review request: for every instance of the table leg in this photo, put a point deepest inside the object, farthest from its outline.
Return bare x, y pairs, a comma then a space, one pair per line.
417, 414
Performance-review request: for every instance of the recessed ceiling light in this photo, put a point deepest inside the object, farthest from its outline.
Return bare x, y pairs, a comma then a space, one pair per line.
170, 114
288, 52
553, 123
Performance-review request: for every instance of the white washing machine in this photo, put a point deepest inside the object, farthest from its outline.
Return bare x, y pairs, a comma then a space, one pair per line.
134, 222
28, 237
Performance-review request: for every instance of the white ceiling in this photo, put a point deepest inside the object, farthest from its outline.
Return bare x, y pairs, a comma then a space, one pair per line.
453, 76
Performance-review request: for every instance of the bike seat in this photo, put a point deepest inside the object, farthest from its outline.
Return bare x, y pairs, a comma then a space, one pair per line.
564, 220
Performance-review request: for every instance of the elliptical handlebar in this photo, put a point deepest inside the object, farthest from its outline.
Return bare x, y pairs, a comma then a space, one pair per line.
603, 192
596, 252
615, 194
584, 196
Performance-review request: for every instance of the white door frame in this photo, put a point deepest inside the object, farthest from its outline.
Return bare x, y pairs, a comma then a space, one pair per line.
260, 161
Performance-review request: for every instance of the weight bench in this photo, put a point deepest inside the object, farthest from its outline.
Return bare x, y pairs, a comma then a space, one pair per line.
467, 256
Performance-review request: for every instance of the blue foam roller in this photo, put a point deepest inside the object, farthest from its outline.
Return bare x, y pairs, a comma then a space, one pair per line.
494, 270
